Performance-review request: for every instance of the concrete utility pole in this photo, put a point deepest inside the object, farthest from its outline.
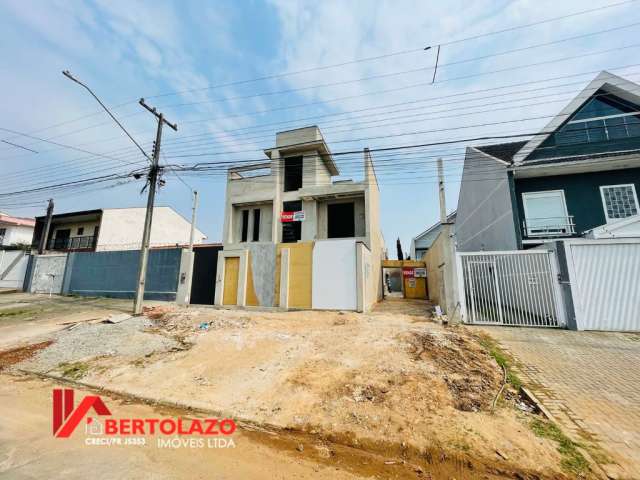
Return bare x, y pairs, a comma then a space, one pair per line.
146, 234
194, 212
443, 204
42, 245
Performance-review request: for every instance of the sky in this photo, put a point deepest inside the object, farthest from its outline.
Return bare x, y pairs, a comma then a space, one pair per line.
233, 73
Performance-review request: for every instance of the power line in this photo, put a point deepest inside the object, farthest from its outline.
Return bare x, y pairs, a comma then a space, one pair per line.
67, 74
402, 52
441, 43
404, 72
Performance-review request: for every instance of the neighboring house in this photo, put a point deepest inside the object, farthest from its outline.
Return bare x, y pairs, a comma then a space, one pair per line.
327, 227
15, 230
113, 229
581, 172
421, 243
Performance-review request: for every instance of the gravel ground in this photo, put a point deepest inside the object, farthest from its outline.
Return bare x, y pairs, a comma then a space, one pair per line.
90, 340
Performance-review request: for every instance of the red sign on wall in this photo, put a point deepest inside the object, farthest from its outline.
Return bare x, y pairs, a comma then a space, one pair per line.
292, 216
408, 272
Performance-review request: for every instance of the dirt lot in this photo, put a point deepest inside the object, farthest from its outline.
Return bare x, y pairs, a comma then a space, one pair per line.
393, 384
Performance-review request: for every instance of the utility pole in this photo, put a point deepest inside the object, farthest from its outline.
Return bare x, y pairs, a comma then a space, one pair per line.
42, 245
146, 234
443, 205
194, 212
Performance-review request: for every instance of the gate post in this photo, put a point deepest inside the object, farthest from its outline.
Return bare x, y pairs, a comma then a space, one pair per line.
462, 294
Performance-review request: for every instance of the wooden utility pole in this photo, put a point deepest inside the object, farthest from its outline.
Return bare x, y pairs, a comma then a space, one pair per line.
194, 212
42, 245
146, 234
443, 204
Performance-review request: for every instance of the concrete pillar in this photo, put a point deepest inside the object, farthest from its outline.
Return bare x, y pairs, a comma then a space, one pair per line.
360, 278
186, 266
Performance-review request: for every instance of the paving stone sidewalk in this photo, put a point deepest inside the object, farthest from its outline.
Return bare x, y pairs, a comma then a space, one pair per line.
589, 381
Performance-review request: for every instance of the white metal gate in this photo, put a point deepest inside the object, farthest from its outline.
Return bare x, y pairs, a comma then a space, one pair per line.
509, 288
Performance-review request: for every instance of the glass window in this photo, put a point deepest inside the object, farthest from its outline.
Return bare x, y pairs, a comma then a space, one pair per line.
619, 201
603, 118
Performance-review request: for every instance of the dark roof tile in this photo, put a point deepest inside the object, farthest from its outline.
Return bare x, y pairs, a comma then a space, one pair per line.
503, 151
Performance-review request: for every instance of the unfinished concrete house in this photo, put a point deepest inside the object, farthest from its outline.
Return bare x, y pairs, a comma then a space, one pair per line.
294, 237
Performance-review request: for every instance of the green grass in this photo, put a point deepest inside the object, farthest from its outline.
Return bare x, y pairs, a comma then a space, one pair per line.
15, 312
572, 460
503, 359
74, 370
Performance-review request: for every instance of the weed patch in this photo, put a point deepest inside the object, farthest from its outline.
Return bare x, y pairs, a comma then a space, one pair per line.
13, 313
572, 460
74, 370
503, 359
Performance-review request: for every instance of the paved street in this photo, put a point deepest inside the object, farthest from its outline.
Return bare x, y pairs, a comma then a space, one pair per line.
590, 381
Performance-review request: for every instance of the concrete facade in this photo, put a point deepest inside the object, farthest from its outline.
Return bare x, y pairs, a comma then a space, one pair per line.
121, 228
485, 217
261, 188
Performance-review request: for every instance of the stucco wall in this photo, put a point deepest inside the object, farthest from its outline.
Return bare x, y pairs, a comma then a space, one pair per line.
334, 275
485, 217
16, 234
121, 228
47, 273
13, 265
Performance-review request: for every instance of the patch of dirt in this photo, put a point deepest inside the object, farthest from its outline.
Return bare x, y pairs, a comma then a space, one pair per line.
157, 312
17, 355
471, 375
379, 381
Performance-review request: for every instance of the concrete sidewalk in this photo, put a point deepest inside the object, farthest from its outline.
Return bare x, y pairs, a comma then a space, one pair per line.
589, 381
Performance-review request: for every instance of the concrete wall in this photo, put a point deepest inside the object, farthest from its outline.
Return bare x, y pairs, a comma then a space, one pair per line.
375, 240
114, 274
243, 191
367, 295
442, 274
360, 227
47, 273
266, 219
485, 216
334, 275
16, 234
121, 228
13, 266
262, 271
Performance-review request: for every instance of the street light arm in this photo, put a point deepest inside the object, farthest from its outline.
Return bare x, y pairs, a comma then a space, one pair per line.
67, 74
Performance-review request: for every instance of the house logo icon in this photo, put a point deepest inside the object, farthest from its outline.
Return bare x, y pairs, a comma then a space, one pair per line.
66, 418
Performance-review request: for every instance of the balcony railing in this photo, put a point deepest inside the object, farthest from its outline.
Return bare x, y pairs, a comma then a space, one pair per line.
549, 227
73, 243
